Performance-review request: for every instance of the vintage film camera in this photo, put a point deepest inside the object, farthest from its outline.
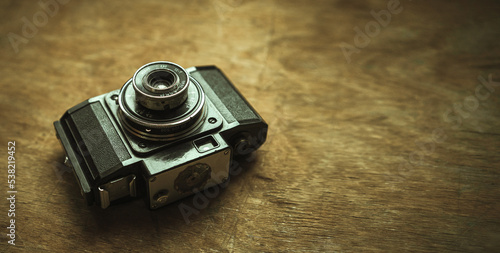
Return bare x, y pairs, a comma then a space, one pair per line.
166, 134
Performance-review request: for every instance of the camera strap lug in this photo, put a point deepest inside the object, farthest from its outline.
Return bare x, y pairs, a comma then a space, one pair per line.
117, 189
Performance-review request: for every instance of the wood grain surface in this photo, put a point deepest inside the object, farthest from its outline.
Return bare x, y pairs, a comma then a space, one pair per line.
383, 123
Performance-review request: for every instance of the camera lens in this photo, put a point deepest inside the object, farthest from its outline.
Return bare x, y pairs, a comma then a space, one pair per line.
161, 102
161, 85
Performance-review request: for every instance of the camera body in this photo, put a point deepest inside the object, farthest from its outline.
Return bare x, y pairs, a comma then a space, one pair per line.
166, 134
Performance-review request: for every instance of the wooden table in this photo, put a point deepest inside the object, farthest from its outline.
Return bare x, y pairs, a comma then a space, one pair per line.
383, 122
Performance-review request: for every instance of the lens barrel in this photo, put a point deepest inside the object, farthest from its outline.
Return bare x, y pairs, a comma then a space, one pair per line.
161, 102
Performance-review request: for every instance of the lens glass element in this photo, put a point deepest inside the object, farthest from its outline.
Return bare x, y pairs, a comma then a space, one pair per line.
160, 81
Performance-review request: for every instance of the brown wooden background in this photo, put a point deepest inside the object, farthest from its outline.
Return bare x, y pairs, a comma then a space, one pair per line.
361, 156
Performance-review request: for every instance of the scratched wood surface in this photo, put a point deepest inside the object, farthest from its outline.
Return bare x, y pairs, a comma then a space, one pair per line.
384, 122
